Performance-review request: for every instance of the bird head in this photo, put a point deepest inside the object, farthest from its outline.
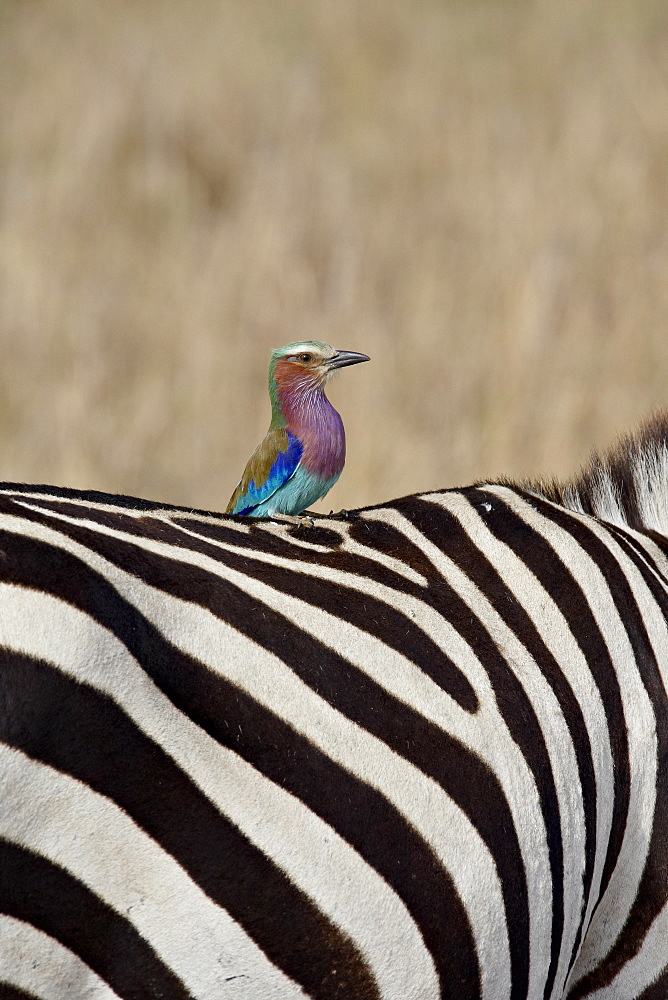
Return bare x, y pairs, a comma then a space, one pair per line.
307, 365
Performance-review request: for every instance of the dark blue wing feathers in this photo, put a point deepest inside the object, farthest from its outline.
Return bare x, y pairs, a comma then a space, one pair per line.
281, 469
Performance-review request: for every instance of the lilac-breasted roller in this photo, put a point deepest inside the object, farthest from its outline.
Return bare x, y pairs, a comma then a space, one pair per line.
304, 451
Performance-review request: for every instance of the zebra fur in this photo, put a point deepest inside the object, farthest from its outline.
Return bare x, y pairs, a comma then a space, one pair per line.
417, 752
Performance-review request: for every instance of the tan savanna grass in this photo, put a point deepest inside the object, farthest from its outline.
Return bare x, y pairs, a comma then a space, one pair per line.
473, 193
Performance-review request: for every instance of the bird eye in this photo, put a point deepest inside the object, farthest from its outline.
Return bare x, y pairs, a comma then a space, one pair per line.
306, 357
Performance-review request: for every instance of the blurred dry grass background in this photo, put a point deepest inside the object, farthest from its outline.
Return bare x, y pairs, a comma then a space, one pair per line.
475, 193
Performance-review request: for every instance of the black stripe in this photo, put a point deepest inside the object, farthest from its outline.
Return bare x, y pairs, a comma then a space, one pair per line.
100, 746
8, 992
44, 895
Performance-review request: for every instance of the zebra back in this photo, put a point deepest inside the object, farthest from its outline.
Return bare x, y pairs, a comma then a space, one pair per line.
416, 752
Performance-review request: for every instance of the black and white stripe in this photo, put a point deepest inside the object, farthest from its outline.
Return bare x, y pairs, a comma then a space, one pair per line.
417, 753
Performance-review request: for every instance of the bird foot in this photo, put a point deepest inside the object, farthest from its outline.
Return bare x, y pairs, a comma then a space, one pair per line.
341, 515
297, 519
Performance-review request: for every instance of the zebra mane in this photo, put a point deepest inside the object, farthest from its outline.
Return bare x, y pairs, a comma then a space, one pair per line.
626, 486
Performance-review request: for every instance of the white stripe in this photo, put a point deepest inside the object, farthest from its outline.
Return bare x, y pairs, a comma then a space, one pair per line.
36, 963
61, 819
320, 862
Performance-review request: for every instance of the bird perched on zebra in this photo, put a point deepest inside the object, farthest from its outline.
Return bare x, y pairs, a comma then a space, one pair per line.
304, 450
417, 754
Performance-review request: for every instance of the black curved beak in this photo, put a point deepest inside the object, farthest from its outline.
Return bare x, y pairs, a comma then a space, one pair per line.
343, 358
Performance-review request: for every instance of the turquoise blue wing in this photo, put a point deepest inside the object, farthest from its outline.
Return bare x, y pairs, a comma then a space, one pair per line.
271, 465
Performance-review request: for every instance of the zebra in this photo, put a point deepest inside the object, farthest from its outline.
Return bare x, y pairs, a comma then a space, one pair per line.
413, 751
